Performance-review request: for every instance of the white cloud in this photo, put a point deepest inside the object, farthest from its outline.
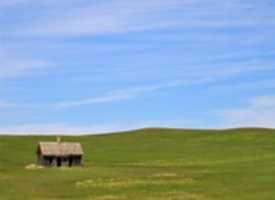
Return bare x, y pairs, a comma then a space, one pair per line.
67, 129
12, 68
54, 129
125, 94
4, 104
92, 129
105, 17
260, 112
120, 16
12, 65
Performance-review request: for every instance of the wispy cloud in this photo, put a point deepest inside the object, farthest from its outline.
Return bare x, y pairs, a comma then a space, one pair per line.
105, 17
126, 94
55, 129
91, 129
4, 104
259, 111
122, 16
10, 69
72, 129
14, 65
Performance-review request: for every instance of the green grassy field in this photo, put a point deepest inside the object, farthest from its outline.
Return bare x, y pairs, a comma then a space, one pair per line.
153, 164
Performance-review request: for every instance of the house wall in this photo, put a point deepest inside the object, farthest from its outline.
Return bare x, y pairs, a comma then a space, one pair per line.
47, 160
51, 161
77, 160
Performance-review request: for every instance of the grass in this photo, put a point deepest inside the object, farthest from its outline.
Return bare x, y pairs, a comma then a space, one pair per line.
149, 164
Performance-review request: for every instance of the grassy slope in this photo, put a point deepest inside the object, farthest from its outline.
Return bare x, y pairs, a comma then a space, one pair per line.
148, 164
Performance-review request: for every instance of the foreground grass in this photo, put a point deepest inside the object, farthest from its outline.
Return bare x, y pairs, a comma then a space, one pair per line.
161, 164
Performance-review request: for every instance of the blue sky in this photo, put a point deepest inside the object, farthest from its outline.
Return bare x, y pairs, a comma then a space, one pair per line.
80, 66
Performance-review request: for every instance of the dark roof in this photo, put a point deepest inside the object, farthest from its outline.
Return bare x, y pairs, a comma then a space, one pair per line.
60, 148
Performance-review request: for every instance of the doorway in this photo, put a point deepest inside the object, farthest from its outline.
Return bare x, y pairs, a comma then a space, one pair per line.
59, 162
70, 161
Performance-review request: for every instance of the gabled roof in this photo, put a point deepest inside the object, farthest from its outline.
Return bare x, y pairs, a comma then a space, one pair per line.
60, 148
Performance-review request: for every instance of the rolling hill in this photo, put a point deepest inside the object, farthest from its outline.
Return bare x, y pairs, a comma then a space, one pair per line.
163, 164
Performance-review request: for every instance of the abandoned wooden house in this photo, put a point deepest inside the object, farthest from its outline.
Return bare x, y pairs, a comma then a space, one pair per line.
59, 154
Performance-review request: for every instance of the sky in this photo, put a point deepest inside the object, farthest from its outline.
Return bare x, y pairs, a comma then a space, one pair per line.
86, 66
